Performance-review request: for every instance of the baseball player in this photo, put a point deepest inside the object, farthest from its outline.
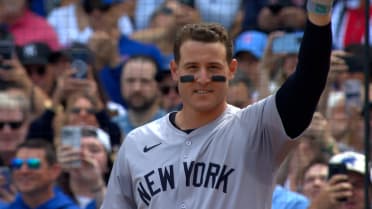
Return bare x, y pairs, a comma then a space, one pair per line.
211, 154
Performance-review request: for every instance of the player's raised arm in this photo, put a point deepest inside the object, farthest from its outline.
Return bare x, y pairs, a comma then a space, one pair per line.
299, 95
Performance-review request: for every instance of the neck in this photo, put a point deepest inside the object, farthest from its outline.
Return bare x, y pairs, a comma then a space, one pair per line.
140, 118
190, 119
36, 198
81, 188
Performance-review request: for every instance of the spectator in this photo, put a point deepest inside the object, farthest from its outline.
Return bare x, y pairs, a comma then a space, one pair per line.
170, 98
87, 182
315, 142
34, 58
144, 10
313, 177
20, 20
70, 23
140, 91
220, 11
349, 185
81, 109
282, 15
249, 48
34, 173
286, 199
239, 92
348, 23
14, 120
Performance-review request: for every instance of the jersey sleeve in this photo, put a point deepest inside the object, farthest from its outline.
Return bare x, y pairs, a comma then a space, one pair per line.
119, 194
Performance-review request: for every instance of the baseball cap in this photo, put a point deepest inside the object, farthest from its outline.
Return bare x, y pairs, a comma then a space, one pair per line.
252, 41
354, 161
98, 133
33, 53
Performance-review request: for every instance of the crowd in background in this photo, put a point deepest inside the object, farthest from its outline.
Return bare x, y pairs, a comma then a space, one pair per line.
103, 66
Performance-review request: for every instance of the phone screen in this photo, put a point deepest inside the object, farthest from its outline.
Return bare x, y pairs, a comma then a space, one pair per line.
287, 44
334, 169
71, 135
353, 95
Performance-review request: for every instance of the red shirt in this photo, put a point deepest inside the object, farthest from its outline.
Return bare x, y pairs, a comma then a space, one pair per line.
33, 28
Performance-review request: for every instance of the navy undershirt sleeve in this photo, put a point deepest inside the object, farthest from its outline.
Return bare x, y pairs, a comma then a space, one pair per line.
298, 97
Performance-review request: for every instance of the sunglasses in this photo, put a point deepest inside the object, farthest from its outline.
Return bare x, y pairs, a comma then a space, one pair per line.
77, 110
32, 163
166, 89
39, 71
12, 124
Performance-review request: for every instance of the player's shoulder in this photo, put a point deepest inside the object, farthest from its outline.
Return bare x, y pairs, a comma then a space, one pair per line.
149, 130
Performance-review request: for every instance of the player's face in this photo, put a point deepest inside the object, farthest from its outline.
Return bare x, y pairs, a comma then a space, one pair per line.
203, 60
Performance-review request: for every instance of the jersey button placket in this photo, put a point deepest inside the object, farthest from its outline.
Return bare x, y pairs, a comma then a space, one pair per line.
183, 206
187, 148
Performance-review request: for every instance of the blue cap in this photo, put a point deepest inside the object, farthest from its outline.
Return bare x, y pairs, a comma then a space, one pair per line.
253, 42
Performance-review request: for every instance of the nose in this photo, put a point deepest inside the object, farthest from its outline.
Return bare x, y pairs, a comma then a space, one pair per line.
203, 76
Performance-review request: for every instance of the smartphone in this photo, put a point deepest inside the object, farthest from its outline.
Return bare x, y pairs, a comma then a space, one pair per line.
353, 95
289, 43
80, 59
6, 52
354, 63
337, 168
6, 173
80, 69
71, 135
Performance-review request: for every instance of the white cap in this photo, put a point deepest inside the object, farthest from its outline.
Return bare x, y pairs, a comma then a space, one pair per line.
101, 136
104, 138
354, 161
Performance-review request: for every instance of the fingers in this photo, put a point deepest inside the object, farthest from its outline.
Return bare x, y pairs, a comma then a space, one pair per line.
340, 188
68, 156
337, 62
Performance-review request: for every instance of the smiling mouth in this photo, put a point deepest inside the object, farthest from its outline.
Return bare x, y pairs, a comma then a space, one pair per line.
202, 91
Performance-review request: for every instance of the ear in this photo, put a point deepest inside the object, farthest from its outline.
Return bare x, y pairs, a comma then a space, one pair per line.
55, 171
232, 68
173, 69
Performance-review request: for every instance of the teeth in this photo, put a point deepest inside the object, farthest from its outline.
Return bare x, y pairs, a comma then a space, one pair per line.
202, 91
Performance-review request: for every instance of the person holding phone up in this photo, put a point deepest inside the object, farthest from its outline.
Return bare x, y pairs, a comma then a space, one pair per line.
84, 154
345, 186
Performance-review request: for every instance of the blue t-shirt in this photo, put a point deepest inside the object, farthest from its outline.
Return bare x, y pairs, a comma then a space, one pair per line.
59, 201
286, 199
3, 205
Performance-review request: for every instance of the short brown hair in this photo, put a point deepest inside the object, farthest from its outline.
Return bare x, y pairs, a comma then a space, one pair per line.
203, 32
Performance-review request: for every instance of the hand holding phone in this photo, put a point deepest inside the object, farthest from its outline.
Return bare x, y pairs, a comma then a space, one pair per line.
71, 136
80, 69
335, 169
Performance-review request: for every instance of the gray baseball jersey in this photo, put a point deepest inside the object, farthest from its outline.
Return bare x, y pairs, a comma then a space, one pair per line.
228, 163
